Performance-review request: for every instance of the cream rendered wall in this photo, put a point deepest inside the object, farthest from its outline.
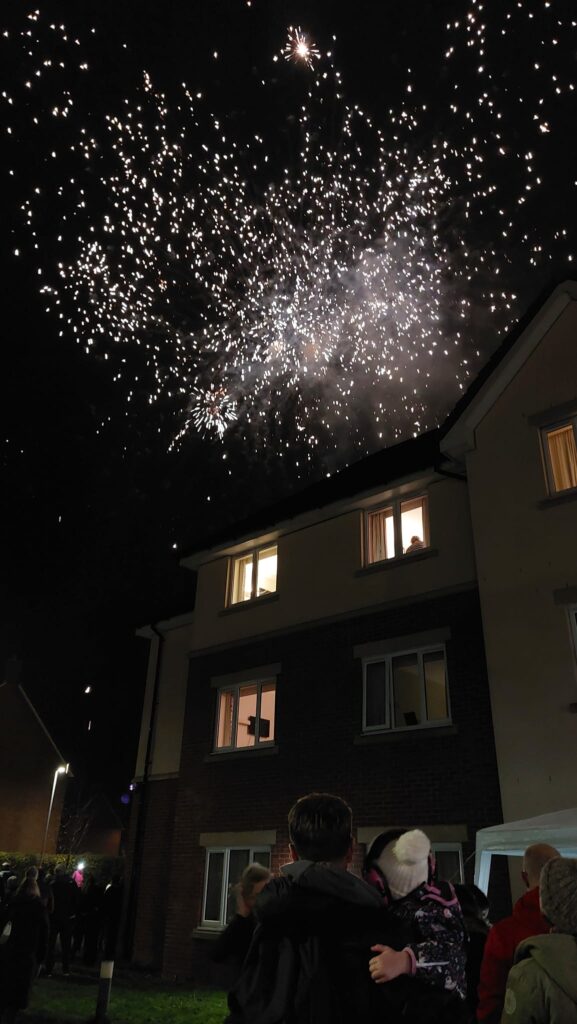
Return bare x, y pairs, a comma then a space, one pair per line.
525, 552
167, 737
318, 572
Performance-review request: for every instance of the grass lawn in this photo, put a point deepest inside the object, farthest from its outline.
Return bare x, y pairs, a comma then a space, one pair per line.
134, 1000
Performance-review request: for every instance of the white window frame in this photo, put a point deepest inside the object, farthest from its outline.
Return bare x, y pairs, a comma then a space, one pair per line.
395, 504
452, 848
388, 659
570, 421
254, 596
252, 850
572, 611
259, 683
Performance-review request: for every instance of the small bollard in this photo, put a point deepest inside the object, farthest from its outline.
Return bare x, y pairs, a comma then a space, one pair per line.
104, 986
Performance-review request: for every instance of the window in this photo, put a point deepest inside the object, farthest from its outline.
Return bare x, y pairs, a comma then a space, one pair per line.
224, 866
560, 451
400, 528
253, 575
573, 622
449, 861
405, 691
245, 715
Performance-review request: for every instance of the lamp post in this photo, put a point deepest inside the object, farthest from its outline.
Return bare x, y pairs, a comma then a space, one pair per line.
61, 770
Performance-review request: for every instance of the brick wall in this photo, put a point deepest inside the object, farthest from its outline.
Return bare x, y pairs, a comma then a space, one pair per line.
419, 777
151, 899
28, 761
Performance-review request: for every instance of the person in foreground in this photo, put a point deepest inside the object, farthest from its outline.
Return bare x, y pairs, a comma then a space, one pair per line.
234, 943
24, 950
400, 864
308, 961
542, 984
506, 935
316, 922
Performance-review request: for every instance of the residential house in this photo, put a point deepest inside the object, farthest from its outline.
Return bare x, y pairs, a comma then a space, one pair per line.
338, 643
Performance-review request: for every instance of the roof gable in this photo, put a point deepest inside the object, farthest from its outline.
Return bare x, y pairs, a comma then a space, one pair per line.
459, 429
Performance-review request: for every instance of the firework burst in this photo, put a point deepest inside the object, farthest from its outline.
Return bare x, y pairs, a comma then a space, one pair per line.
347, 288
300, 48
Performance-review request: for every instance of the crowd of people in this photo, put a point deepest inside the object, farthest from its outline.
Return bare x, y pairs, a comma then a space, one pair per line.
40, 912
319, 945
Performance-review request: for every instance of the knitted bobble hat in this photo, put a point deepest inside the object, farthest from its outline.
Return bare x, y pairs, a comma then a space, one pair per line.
558, 893
405, 862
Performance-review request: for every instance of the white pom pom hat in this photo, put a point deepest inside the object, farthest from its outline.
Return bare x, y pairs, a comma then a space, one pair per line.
405, 862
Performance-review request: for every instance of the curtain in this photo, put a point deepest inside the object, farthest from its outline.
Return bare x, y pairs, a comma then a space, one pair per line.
377, 535
563, 457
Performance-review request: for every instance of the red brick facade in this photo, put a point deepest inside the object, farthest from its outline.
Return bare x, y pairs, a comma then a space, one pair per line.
430, 776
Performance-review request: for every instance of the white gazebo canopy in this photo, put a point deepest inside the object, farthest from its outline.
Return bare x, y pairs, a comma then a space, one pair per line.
559, 829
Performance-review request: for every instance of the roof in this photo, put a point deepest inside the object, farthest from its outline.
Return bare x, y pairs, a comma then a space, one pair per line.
374, 471
505, 363
410, 456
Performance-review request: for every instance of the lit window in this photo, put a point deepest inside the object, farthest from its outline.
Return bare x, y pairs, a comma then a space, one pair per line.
405, 691
245, 715
254, 575
448, 862
560, 449
401, 528
224, 866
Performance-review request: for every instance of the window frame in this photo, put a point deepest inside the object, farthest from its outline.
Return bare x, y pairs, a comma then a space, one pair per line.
236, 688
252, 850
396, 505
368, 730
254, 596
549, 428
451, 848
572, 612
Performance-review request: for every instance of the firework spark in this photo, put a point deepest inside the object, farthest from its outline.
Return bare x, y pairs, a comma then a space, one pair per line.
300, 48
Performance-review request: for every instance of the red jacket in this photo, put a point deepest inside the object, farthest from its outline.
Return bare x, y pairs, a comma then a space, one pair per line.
502, 941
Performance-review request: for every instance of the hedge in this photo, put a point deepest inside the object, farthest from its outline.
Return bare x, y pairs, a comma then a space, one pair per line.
102, 867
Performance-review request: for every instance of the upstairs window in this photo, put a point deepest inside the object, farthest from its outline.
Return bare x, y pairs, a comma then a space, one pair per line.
560, 450
224, 866
245, 715
399, 528
405, 691
253, 575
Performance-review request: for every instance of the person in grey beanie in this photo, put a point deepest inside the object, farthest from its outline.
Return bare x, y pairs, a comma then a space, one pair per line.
542, 984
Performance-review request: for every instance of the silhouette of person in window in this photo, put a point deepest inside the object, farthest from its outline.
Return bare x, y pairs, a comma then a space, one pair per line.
415, 545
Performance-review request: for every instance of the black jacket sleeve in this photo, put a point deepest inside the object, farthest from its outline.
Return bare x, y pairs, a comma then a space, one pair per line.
235, 940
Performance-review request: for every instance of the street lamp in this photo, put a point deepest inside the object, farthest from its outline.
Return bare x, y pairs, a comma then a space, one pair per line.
61, 770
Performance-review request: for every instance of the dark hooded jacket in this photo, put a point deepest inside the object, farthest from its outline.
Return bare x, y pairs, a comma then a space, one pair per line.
308, 960
24, 950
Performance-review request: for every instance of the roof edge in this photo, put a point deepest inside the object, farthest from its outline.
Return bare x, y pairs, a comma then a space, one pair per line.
459, 434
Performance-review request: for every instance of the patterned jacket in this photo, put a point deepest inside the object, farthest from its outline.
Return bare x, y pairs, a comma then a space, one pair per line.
438, 947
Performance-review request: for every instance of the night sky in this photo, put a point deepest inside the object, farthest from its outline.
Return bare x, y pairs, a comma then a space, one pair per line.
97, 499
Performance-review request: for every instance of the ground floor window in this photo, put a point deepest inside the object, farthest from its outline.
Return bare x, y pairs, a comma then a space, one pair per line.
224, 866
449, 862
573, 624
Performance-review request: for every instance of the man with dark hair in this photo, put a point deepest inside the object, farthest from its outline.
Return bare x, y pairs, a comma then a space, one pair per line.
320, 829
308, 961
